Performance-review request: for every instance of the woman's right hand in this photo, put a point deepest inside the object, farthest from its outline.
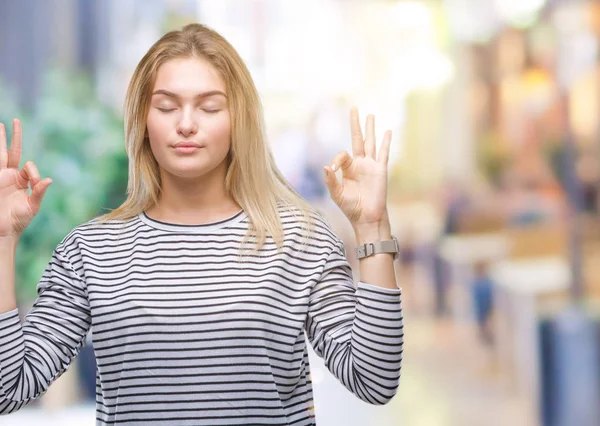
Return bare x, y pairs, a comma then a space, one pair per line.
17, 207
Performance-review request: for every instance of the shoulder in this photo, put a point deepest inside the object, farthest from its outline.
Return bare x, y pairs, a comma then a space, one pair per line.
312, 223
95, 231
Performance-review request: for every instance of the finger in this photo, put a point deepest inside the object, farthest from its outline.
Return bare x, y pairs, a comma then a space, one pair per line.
370, 138
358, 141
384, 150
3, 147
333, 185
342, 160
32, 172
29, 174
37, 193
14, 155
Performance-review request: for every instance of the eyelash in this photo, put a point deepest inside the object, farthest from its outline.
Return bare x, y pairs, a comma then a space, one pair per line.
209, 111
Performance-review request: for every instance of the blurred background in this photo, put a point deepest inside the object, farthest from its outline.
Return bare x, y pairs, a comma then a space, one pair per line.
494, 176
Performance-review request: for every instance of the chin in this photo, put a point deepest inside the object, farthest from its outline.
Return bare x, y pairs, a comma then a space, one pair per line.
192, 171
189, 173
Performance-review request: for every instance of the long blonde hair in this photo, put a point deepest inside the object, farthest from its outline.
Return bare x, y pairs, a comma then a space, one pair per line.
253, 179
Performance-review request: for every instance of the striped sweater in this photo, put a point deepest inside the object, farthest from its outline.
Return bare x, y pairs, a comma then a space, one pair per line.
185, 332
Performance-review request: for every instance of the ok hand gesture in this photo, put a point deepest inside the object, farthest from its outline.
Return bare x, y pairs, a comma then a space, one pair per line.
362, 194
17, 206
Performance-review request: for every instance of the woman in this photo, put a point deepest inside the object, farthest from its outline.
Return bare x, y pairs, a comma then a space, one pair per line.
200, 289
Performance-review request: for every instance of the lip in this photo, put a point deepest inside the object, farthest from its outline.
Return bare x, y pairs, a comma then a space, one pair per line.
186, 147
187, 144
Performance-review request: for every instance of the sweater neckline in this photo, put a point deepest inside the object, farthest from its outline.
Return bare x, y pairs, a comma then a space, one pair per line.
199, 228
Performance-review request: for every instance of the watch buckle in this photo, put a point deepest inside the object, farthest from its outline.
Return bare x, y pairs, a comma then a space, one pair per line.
369, 249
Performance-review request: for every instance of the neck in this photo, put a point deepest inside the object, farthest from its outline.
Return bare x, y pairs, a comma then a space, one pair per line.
193, 201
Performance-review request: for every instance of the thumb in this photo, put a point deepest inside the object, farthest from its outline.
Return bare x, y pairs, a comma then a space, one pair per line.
333, 185
38, 191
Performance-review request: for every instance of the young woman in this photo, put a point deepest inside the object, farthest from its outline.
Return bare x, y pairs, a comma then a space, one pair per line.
201, 288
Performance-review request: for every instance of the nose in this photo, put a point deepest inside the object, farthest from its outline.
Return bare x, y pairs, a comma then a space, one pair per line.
187, 125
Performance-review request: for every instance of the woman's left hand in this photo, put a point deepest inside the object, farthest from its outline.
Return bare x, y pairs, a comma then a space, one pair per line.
362, 194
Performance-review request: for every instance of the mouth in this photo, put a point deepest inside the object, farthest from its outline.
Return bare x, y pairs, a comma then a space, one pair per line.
186, 147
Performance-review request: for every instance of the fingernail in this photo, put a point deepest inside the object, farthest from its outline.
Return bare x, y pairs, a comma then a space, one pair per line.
333, 167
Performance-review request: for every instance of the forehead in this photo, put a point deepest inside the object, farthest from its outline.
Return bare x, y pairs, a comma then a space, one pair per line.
188, 76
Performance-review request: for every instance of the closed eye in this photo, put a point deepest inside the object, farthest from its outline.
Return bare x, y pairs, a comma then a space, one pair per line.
165, 110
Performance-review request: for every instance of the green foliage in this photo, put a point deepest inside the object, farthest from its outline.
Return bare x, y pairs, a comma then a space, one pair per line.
78, 142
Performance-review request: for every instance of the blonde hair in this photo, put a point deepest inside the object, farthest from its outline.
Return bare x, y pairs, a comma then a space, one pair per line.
253, 179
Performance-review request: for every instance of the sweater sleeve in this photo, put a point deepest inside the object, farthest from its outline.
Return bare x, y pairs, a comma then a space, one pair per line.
357, 330
35, 353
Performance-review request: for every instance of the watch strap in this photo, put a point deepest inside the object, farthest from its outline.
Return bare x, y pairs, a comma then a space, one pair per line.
369, 249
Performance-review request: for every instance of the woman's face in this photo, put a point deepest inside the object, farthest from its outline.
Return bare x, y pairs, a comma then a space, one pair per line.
189, 106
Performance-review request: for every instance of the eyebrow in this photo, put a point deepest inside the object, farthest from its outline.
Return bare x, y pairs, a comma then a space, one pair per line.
199, 95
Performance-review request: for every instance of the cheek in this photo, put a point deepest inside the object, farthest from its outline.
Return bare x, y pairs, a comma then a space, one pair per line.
157, 134
156, 125
220, 131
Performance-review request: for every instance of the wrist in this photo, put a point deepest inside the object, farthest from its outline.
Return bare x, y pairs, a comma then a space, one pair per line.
366, 233
9, 242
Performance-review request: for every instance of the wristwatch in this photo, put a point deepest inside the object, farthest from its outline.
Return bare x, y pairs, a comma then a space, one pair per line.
369, 249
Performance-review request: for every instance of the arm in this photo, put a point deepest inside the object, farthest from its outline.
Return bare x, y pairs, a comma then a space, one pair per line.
377, 269
37, 352
8, 249
358, 331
